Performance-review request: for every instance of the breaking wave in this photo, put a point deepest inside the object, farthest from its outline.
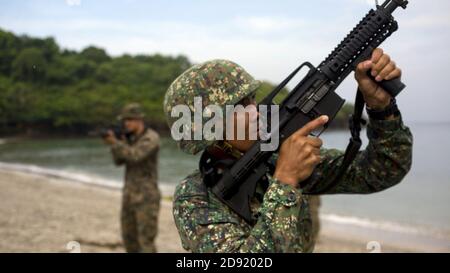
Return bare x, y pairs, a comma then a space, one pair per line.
75, 176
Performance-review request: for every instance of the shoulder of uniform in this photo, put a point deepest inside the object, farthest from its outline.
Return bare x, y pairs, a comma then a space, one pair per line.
151, 134
192, 185
193, 198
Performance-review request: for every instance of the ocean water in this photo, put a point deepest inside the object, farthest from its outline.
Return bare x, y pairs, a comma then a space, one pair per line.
419, 206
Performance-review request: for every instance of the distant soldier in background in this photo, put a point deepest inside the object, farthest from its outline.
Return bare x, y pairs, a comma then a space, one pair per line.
137, 148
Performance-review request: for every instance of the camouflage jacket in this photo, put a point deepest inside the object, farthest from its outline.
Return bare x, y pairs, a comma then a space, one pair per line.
283, 217
140, 156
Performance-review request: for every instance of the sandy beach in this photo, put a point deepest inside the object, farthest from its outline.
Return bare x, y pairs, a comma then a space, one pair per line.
42, 214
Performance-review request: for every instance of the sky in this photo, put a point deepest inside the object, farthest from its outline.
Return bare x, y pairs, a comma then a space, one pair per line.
268, 38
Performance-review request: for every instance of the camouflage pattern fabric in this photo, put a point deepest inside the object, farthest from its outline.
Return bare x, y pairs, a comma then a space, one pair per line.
141, 196
217, 82
139, 223
284, 219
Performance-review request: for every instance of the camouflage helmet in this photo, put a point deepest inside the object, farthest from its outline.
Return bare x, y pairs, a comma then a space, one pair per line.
217, 82
131, 111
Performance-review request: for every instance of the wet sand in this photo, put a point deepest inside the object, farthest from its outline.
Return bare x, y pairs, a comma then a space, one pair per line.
42, 214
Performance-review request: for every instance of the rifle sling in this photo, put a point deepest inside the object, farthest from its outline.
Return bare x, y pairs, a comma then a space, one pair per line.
355, 121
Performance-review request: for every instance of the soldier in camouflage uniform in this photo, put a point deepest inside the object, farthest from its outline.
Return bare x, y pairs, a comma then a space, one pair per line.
282, 209
138, 151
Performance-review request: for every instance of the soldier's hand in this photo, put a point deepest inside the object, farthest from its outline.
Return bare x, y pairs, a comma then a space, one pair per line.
382, 68
299, 154
110, 139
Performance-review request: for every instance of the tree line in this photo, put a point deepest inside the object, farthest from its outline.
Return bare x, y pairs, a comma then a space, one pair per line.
45, 89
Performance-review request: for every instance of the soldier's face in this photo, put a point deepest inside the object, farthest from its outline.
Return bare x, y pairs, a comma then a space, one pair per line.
133, 125
249, 120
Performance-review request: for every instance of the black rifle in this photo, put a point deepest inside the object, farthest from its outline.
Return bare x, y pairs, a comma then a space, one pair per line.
117, 130
312, 97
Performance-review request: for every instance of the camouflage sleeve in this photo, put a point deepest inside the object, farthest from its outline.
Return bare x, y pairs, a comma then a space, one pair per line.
383, 164
123, 152
206, 228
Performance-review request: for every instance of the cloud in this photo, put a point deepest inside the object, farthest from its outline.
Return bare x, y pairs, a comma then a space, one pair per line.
73, 2
428, 21
267, 24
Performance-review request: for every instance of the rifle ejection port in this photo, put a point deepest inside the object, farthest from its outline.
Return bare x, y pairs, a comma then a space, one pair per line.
308, 106
321, 92
317, 83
